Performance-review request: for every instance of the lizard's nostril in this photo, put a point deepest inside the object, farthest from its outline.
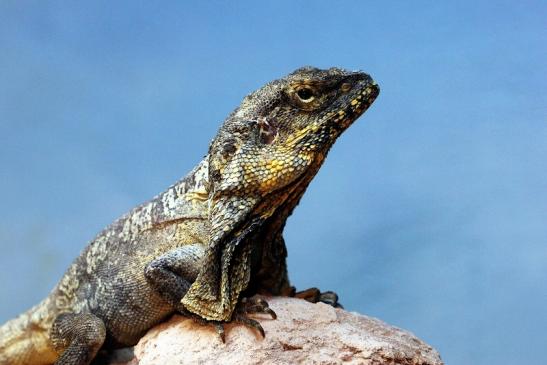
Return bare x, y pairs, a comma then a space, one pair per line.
346, 86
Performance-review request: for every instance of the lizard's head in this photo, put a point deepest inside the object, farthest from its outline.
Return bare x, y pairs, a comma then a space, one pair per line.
282, 132
309, 107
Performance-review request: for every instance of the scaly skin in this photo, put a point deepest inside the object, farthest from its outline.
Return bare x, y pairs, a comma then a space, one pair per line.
208, 242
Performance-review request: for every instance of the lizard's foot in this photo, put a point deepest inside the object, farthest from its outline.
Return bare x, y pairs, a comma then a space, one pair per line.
314, 295
236, 318
219, 326
249, 306
243, 308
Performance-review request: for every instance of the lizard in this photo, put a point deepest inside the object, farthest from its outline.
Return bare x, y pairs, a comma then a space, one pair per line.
205, 246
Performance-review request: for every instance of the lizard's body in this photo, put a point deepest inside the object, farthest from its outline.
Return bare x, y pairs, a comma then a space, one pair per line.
176, 217
207, 241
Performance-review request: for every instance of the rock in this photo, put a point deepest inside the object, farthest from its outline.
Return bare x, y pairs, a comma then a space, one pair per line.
303, 333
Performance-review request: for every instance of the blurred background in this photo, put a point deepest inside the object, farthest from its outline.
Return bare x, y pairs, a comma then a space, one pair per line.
429, 213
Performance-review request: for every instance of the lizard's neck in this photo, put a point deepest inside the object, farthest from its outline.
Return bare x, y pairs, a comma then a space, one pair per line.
296, 191
269, 255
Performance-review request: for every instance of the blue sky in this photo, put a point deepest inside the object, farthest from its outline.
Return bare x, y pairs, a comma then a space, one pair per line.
429, 213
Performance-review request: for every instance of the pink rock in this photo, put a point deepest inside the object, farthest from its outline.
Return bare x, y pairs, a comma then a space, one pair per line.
303, 333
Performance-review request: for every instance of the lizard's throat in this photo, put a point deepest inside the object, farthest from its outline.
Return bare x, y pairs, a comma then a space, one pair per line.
287, 198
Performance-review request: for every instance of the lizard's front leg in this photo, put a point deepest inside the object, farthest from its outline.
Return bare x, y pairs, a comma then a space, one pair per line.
172, 273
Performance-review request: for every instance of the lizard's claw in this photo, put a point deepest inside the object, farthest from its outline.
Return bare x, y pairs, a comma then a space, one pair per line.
244, 307
237, 318
220, 331
219, 326
314, 295
249, 306
249, 322
254, 305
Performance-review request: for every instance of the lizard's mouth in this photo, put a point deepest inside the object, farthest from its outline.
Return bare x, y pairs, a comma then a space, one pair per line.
353, 104
349, 106
319, 136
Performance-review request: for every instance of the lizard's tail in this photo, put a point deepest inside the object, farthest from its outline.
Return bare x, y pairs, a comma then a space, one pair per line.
24, 340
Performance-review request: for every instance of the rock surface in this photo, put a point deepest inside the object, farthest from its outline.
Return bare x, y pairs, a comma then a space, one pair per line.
303, 333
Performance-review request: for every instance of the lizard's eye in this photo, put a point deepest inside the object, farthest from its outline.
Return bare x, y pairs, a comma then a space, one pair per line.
305, 94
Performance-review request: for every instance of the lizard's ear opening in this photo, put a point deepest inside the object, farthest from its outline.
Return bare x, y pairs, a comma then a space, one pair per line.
268, 131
